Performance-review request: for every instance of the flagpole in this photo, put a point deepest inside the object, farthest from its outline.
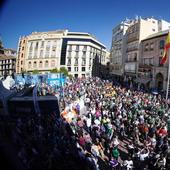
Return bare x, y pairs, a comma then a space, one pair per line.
167, 88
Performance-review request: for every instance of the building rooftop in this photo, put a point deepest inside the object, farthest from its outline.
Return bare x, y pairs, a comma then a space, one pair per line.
4, 57
10, 49
158, 34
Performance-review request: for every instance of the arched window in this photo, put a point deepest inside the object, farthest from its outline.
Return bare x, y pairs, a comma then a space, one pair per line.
35, 64
53, 63
40, 64
29, 64
46, 63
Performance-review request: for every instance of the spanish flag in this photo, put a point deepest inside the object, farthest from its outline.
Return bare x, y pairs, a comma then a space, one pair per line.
167, 46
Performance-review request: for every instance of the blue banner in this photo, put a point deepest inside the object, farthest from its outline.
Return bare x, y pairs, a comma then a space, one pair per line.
52, 79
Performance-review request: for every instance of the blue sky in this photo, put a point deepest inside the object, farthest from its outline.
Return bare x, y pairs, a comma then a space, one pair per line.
98, 17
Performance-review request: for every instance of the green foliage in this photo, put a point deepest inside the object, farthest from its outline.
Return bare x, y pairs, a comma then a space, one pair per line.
55, 70
70, 76
64, 71
35, 72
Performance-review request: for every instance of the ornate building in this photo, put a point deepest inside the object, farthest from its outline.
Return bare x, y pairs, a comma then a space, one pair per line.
44, 51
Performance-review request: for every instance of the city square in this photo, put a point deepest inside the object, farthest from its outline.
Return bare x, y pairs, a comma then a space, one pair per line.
70, 102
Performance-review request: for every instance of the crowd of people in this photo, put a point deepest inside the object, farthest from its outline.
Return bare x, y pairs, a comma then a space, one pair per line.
96, 118
113, 114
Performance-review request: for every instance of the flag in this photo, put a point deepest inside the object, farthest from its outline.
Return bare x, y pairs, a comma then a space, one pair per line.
167, 46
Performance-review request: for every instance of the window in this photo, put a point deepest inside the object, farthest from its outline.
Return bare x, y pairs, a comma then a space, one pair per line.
161, 44
35, 55
75, 68
36, 46
146, 47
69, 62
135, 56
84, 54
30, 49
21, 62
29, 64
22, 48
46, 63
151, 46
53, 63
35, 64
90, 61
55, 44
30, 54
48, 44
76, 75
77, 54
153, 30
83, 61
22, 55
69, 68
42, 44
70, 48
53, 51
85, 48
47, 54
77, 47
69, 54
40, 64
41, 54
76, 61
83, 69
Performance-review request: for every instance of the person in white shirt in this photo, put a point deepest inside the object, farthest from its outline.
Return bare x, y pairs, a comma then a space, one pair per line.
115, 141
144, 153
129, 164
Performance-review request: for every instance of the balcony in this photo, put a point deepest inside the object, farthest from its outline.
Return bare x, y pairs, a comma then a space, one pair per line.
132, 49
132, 37
131, 60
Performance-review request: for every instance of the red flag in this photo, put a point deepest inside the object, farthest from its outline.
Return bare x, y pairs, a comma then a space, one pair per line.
167, 46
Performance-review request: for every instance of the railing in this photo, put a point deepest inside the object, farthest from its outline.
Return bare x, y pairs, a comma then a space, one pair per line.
132, 49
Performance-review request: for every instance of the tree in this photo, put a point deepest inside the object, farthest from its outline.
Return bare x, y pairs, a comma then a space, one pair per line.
1, 44
1, 47
70, 76
55, 70
64, 71
35, 72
